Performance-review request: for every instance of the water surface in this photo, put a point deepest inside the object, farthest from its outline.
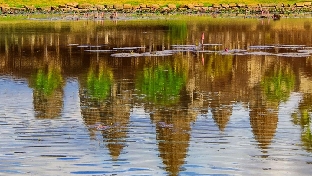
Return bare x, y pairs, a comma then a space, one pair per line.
197, 96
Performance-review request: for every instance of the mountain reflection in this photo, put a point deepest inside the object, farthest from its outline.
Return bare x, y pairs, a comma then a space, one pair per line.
173, 89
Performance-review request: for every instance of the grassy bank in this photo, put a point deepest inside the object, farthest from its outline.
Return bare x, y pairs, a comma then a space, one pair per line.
47, 3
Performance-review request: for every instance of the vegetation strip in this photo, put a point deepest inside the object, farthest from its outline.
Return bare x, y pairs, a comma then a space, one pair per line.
236, 8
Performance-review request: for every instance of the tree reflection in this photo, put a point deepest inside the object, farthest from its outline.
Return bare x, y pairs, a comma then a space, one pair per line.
48, 93
303, 118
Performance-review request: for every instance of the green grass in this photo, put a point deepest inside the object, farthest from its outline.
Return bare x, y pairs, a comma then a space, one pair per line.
47, 3
12, 18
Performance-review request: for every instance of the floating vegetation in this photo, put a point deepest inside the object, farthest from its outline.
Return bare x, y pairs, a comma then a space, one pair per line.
129, 48
293, 54
233, 52
182, 46
89, 46
154, 53
290, 46
183, 50
237, 50
259, 53
169, 51
212, 44
158, 53
260, 47
135, 51
73, 44
83, 46
205, 51
126, 55
151, 54
101, 51
305, 51
186, 48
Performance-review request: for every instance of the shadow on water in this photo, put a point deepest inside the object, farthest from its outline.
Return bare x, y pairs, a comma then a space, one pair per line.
156, 97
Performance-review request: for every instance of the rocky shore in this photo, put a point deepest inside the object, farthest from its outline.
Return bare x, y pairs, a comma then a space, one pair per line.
262, 10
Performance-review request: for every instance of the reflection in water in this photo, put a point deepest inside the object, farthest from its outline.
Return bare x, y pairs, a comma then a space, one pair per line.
221, 114
99, 84
177, 31
303, 119
48, 92
219, 68
278, 83
173, 136
219, 73
162, 83
263, 120
104, 108
173, 91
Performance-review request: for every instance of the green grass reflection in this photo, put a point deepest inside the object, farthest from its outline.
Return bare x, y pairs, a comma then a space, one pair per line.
278, 83
177, 31
161, 84
99, 83
48, 82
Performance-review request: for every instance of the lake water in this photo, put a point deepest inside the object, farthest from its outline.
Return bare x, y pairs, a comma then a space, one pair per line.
182, 96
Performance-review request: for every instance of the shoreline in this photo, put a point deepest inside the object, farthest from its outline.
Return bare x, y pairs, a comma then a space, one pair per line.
275, 11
